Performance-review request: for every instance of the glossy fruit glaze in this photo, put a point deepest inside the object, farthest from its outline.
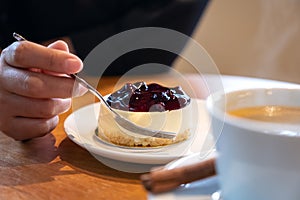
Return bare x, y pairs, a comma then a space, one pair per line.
140, 97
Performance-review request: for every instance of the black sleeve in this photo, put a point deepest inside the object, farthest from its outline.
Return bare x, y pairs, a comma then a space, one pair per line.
88, 23
179, 15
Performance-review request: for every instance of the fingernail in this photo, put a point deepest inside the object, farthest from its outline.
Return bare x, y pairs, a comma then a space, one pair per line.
73, 65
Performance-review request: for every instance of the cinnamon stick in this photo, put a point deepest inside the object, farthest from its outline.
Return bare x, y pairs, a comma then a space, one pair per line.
164, 180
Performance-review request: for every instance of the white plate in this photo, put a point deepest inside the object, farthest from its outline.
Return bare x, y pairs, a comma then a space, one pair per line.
80, 127
81, 124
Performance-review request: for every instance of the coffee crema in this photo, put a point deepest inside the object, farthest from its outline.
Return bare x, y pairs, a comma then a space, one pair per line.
269, 113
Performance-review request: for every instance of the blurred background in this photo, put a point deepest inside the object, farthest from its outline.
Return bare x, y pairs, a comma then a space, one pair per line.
258, 38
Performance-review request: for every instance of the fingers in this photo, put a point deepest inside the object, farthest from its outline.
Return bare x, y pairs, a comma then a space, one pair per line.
19, 106
34, 88
23, 118
26, 54
21, 128
37, 85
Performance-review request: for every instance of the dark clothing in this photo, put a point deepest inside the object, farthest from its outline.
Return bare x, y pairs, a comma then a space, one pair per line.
89, 22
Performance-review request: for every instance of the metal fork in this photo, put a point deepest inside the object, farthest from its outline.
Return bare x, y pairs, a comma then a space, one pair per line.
120, 120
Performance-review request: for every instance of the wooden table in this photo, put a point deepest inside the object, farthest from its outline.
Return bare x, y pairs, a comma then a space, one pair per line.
53, 167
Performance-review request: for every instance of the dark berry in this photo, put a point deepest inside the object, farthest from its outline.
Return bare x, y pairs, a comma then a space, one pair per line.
140, 97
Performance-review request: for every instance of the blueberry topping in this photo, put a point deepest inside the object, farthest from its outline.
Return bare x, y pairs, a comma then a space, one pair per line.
140, 97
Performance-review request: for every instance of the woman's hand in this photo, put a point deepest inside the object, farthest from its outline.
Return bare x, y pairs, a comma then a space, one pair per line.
34, 89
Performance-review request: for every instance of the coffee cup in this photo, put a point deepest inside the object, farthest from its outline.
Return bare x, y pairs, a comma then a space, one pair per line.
257, 134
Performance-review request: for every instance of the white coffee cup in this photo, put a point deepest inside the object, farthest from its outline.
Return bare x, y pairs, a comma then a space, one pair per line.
256, 160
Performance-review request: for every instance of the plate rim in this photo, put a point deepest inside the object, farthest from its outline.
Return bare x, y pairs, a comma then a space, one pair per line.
147, 157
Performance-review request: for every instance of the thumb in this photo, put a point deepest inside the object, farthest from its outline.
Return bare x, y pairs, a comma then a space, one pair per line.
59, 45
